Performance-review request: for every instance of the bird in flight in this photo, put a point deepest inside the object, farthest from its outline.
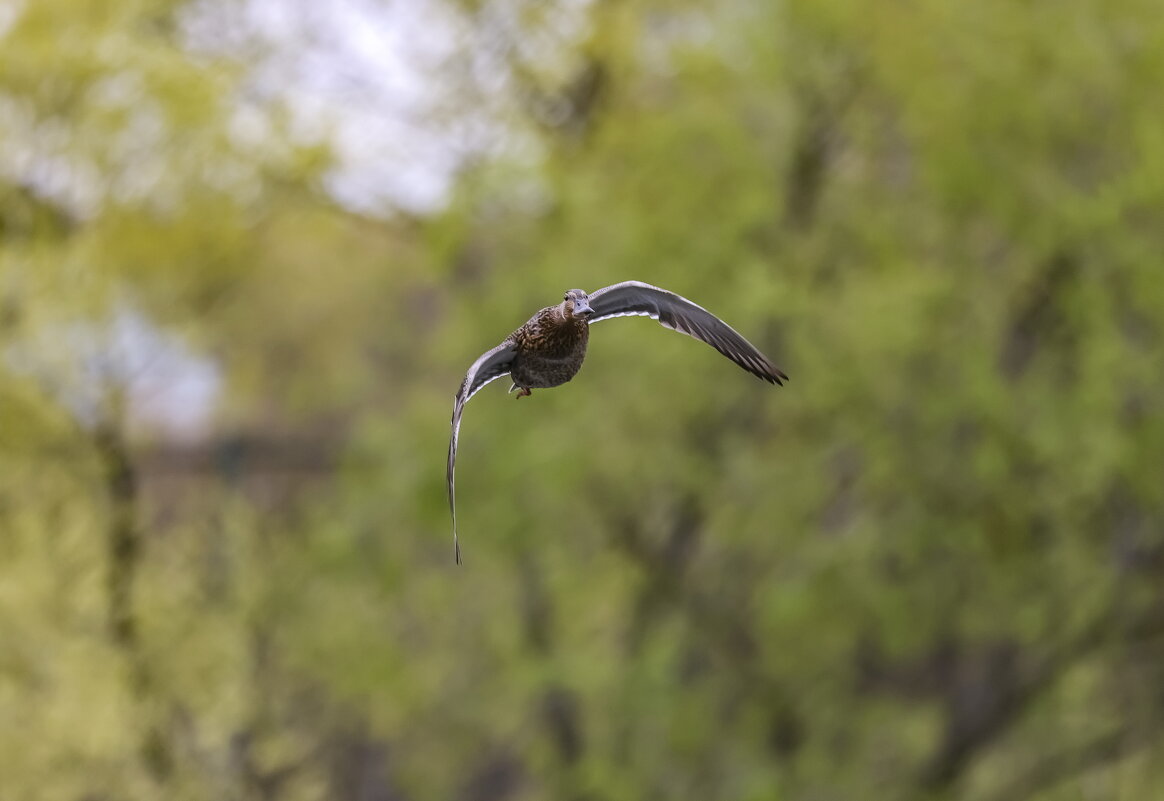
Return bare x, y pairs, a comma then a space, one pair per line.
549, 349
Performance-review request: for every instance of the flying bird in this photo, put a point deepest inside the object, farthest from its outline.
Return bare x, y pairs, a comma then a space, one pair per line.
549, 349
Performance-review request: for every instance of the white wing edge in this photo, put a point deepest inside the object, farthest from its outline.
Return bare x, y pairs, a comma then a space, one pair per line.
458, 410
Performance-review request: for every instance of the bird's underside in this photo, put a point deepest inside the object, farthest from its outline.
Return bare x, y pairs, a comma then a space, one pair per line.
539, 373
548, 350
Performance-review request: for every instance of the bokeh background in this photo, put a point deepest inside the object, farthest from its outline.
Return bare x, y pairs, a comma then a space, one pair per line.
249, 247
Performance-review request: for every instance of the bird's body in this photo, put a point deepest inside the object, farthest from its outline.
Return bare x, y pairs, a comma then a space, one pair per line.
548, 350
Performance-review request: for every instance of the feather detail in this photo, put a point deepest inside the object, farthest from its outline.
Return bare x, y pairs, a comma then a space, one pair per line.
491, 365
636, 299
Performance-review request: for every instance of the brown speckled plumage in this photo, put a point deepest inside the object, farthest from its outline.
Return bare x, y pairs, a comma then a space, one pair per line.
549, 349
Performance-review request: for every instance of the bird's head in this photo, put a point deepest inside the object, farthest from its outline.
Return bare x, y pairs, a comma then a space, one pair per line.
576, 303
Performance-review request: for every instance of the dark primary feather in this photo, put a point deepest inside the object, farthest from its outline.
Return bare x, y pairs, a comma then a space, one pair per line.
679, 314
492, 364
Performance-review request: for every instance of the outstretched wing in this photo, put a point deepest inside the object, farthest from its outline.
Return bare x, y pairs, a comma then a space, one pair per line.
632, 298
492, 365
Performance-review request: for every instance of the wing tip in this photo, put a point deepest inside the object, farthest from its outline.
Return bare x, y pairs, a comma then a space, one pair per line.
773, 375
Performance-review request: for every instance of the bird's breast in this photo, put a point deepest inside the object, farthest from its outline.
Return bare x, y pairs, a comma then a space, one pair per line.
550, 355
561, 341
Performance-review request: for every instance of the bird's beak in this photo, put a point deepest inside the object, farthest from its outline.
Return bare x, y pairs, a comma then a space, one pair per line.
582, 308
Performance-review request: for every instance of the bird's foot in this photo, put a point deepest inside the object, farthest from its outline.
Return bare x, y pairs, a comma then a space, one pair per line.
524, 391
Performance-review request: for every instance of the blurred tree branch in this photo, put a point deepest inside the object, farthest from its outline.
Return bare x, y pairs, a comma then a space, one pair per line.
987, 693
1075, 760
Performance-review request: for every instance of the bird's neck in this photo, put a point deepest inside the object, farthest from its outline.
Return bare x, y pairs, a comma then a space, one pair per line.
565, 332
563, 315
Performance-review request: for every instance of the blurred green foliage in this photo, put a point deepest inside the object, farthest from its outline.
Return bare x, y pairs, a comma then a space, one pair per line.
930, 567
